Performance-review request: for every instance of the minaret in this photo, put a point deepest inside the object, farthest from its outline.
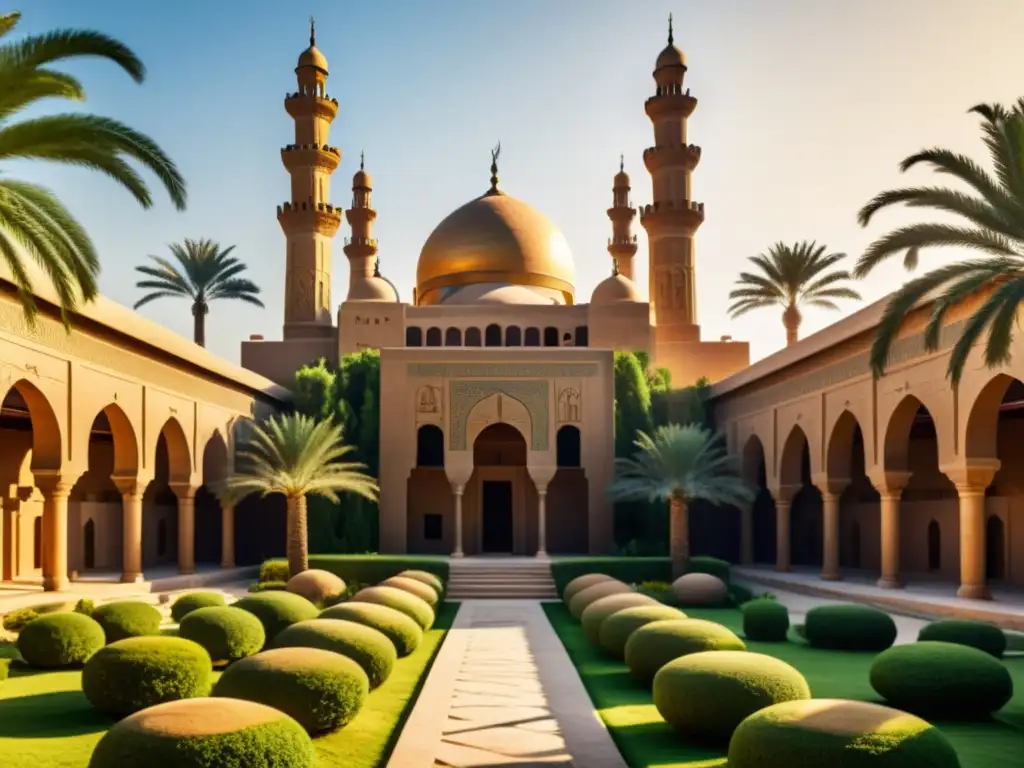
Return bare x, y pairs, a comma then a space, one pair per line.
308, 220
622, 244
673, 218
361, 248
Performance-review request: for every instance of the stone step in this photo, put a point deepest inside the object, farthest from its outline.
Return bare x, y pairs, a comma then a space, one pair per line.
490, 577
493, 595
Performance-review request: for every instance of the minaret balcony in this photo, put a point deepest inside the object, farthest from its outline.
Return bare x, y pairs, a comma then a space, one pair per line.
672, 156
357, 240
304, 105
686, 215
321, 218
360, 247
670, 103
622, 244
303, 156
621, 213
360, 215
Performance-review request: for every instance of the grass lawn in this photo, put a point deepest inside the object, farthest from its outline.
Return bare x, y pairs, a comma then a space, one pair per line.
646, 741
45, 720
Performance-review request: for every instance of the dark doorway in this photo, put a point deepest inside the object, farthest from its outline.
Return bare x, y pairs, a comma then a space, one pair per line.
497, 516
995, 548
934, 546
89, 544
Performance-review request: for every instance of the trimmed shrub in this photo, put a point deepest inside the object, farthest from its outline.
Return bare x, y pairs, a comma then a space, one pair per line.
400, 600
5, 666
699, 589
424, 592
140, 672
85, 606
277, 610
838, 734
60, 640
269, 586
427, 578
15, 621
274, 570
713, 565
369, 648
319, 587
227, 633
322, 690
976, 634
404, 633
595, 614
127, 618
580, 583
585, 597
941, 680
185, 604
849, 628
617, 628
202, 733
368, 568
765, 620
630, 570
656, 644
706, 695
739, 594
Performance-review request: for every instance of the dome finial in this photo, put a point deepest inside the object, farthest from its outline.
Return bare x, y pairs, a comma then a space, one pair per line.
361, 159
494, 170
622, 163
376, 267
670, 40
312, 31
615, 267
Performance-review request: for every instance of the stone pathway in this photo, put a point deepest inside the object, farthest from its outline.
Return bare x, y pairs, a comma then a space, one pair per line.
503, 692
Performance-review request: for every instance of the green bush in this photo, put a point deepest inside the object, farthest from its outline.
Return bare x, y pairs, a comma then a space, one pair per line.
318, 586
5, 666
765, 620
849, 628
631, 570
364, 569
941, 680
424, 592
427, 578
580, 583
595, 614
59, 640
277, 610
838, 734
269, 586
185, 604
654, 645
139, 672
370, 649
322, 690
275, 570
706, 695
15, 621
409, 604
404, 633
227, 633
127, 618
976, 634
739, 594
712, 565
85, 606
617, 628
206, 733
594, 592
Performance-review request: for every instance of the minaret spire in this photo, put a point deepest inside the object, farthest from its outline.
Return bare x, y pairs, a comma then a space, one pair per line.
312, 31
622, 243
361, 248
362, 159
494, 171
670, 38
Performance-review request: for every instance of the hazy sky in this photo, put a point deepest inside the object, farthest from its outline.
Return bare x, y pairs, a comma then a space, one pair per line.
805, 109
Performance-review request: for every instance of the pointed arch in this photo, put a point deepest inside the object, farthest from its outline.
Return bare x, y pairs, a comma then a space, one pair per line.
215, 459
982, 427
753, 460
896, 441
179, 457
47, 440
839, 460
795, 452
126, 442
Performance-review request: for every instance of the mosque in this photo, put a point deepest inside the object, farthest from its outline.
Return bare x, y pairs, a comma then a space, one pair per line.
496, 376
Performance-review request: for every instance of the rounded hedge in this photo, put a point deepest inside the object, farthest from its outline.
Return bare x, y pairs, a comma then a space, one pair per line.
140, 672
317, 586
617, 628
227, 633
656, 644
277, 610
366, 646
193, 601
838, 734
424, 592
580, 583
203, 733
127, 618
322, 690
976, 634
700, 589
404, 633
849, 628
428, 578
585, 597
595, 614
400, 600
941, 680
60, 640
765, 620
706, 695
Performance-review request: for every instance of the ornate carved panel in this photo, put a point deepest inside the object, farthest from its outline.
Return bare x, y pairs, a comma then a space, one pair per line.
429, 400
570, 406
502, 370
465, 394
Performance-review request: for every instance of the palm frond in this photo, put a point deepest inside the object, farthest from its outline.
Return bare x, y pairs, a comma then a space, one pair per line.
916, 236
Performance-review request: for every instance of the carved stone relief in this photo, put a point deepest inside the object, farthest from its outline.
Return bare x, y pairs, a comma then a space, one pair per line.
466, 394
502, 370
428, 399
569, 406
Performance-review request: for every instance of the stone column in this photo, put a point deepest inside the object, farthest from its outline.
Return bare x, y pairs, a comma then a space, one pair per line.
227, 535
131, 489
831, 489
457, 490
747, 534
782, 558
56, 489
890, 487
971, 479
542, 521
186, 527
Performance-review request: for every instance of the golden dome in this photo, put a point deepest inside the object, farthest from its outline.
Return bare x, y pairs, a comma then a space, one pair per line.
495, 239
614, 290
670, 57
362, 180
311, 57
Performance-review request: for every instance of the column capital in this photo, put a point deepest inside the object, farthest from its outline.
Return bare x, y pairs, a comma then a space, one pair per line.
55, 483
833, 486
458, 489
130, 485
541, 475
184, 491
783, 494
971, 474
889, 482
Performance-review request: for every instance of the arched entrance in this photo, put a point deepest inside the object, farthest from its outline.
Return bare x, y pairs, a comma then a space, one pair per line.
504, 493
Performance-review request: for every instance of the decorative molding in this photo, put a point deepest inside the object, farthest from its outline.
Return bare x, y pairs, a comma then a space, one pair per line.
569, 406
502, 370
464, 395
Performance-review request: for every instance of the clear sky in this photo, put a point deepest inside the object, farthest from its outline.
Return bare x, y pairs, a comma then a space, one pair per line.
805, 109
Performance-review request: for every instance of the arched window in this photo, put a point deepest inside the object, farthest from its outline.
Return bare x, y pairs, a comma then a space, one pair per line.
453, 337
567, 443
995, 548
161, 537
413, 336
492, 336
89, 544
433, 337
582, 336
567, 340
934, 546
472, 337
37, 542
513, 336
532, 337
550, 337
429, 446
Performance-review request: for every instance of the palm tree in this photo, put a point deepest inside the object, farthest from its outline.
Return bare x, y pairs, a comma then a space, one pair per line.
207, 273
678, 465
296, 455
993, 211
32, 219
790, 276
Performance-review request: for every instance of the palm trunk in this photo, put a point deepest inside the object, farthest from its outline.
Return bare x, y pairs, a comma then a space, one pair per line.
791, 319
298, 536
199, 311
678, 536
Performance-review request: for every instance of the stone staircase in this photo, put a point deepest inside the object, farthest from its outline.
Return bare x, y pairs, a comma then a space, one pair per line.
500, 578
